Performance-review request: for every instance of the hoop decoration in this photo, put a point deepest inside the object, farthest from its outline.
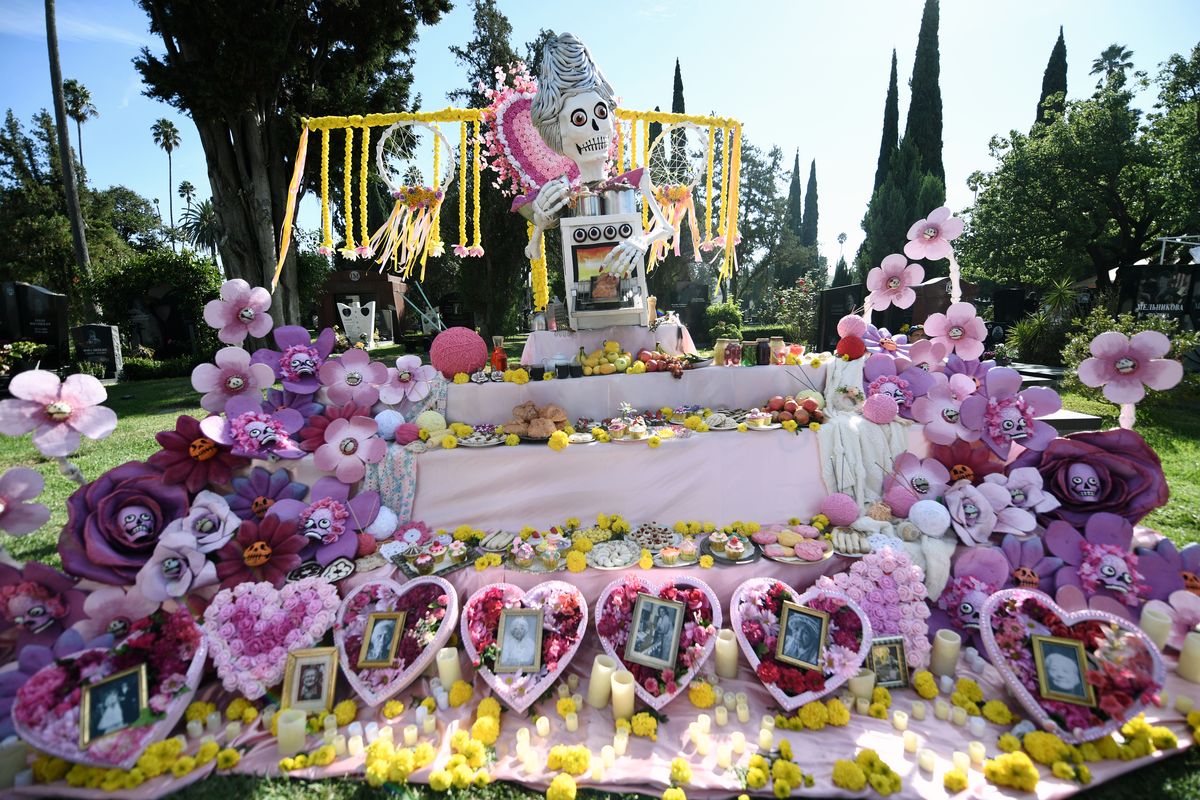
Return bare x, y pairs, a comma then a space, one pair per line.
410, 233
675, 177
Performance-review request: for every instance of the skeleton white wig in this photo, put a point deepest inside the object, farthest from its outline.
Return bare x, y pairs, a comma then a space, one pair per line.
567, 70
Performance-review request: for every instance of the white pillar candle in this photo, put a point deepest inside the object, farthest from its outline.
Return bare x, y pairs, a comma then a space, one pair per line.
1183, 704
722, 716
729, 700
622, 694
704, 746
608, 756
946, 684
354, 746
522, 751
743, 713
737, 741
597, 771
410, 735
926, 760
1157, 626
705, 722
291, 732
977, 726
862, 684
372, 731
944, 659
693, 733
572, 720
899, 720
958, 716
941, 709
339, 745
724, 756
232, 731
977, 752
542, 724
563, 690
195, 729
862, 705
572, 681
600, 683
768, 722
212, 723
766, 740
620, 743
523, 735
910, 742
1189, 658
727, 654
918, 709
961, 760
531, 764
429, 725
448, 668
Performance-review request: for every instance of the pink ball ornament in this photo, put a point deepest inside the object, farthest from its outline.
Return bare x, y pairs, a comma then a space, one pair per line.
840, 508
880, 409
457, 350
900, 499
851, 325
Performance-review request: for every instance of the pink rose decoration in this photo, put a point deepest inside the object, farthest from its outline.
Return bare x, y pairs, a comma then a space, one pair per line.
410, 381
930, 237
353, 378
891, 282
241, 310
176, 568
17, 516
959, 330
350, 444
1125, 366
56, 411
232, 376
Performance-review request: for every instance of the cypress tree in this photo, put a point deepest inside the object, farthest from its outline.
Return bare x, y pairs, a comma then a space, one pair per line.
655, 128
891, 128
841, 273
678, 135
924, 125
890, 213
794, 214
1054, 80
808, 230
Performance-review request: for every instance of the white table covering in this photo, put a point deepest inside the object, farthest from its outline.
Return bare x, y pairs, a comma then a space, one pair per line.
543, 345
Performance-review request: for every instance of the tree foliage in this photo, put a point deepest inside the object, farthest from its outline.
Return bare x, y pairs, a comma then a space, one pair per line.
908, 194
890, 137
1054, 81
795, 200
808, 229
924, 124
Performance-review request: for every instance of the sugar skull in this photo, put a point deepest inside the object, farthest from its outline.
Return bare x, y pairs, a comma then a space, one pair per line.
137, 521
31, 607
299, 362
1083, 482
962, 472
261, 505
978, 573
1009, 419
324, 520
894, 387
1099, 561
262, 432
202, 449
256, 554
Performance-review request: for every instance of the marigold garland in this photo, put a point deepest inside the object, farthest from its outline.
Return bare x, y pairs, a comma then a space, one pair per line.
364, 247
461, 248
476, 166
348, 249
538, 275
326, 229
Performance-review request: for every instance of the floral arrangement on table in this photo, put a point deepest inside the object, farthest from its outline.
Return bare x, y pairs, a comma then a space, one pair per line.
425, 607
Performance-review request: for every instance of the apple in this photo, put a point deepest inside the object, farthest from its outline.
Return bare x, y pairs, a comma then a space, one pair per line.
621, 363
775, 403
646, 355
790, 405
809, 405
801, 417
785, 415
651, 366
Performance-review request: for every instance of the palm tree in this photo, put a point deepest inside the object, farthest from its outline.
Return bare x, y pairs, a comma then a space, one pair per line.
79, 108
186, 192
1113, 60
166, 136
199, 226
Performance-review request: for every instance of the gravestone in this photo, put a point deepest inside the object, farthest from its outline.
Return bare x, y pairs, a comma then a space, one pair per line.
832, 305
99, 344
34, 314
365, 286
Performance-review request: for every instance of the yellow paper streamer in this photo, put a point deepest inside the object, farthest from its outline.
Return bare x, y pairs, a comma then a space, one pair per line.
285, 234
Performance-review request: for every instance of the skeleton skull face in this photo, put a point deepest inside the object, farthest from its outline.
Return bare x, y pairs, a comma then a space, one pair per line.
235, 383
1191, 581
58, 411
137, 521
206, 524
321, 526
348, 446
962, 472
929, 232
956, 332
970, 512
1012, 423
893, 282
354, 378
920, 484
119, 626
1083, 482
1125, 365
889, 344
262, 432
172, 568
202, 449
586, 126
893, 391
1114, 574
302, 365
950, 414
256, 554
968, 610
1026, 578
261, 505
246, 315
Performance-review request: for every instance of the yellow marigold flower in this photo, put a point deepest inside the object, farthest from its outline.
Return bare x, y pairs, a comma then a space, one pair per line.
346, 712
561, 788
235, 708
623, 724
488, 707
970, 689
883, 696
680, 527
460, 694
924, 684
708, 527
393, 709
476, 751
645, 725
423, 434
848, 775
701, 695
997, 712
781, 789
449, 441
1012, 769
1163, 738
1063, 771
954, 781
462, 776
439, 780
742, 427
814, 715
756, 778
674, 793
486, 730
654, 442
582, 544
482, 778
182, 766
877, 710
207, 752
1009, 743
839, 715
620, 525
814, 426
558, 441
323, 756
576, 561
48, 769
646, 561
249, 715
789, 425
564, 706
681, 771
1083, 774
461, 378
603, 522
198, 711
512, 440
228, 758
1045, 748
706, 562
547, 376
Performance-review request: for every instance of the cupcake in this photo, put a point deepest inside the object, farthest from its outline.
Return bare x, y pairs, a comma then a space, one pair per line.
458, 552
616, 430
438, 551
522, 553
549, 558
413, 553
758, 419
688, 551
638, 429
735, 548
669, 555
716, 541
424, 564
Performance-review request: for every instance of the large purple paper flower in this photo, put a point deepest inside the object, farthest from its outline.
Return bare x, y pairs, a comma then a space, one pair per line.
1005, 415
39, 601
971, 513
940, 410
113, 610
230, 375
913, 478
114, 522
298, 360
978, 573
18, 516
175, 569
1026, 489
881, 340
880, 377
1098, 561
1028, 565
304, 404
330, 519
32, 659
1113, 470
353, 378
254, 494
252, 432
1168, 569
974, 369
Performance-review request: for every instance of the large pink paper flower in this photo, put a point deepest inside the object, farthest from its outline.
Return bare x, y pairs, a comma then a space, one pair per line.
1122, 365
241, 310
232, 376
113, 609
18, 516
410, 381
57, 412
349, 446
353, 378
940, 409
971, 513
930, 237
1004, 414
175, 568
959, 330
891, 282
912, 479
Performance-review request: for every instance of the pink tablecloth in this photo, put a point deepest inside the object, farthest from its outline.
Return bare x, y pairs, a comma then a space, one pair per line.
599, 396
543, 345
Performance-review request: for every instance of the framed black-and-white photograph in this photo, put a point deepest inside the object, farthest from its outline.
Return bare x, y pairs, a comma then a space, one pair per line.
112, 704
310, 678
801, 636
654, 635
520, 640
1062, 670
381, 639
889, 662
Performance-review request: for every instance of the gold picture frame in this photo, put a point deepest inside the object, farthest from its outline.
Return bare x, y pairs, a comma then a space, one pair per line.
781, 646
398, 617
660, 648
298, 691
1069, 654
508, 665
94, 706
885, 676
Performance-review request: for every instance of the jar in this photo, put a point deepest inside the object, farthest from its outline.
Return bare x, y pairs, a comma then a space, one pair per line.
499, 359
733, 353
749, 353
719, 352
763, 352
778, 350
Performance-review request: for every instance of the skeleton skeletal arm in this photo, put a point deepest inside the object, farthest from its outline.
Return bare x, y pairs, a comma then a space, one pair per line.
549, 203
629, 252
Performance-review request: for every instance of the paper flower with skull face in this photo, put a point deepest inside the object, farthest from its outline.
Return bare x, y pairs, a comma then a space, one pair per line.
1005, 415
56, 411
210, 522
113, 610
353, 377
18, 516
959, 330
881, 340
978, 574
350, 444
1025, 489
252, 432
1168, 569
880, 376
175, 569
914, 478
39, 601
241, 310
1125, 366
191, 458
231, 375
1098, 561
1028, 565
297, 363
263, 550
891, 283
330, 519
969, 461
940, 410
971, 514
254, 494
410, 380
930, 237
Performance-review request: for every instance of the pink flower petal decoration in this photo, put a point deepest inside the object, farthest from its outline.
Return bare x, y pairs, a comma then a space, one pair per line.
959, 330
241, 310
17, 516
353, 378
56, 411
930, 237
891, 282
232, 375
1125, 366
350, 444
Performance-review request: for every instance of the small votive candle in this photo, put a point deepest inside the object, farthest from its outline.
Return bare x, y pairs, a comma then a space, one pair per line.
327, 737
704, 746
620, 743
926, 760
742, 698
693, 733
372, 731
724, 756
330, 722
961, 760
572, 681
354, 729
768, 722
1156, 625
946, 684
1183, 704
213, 722
422, 713
862, 705
577, 699
531, 763
542, 724
195, 729
899, 720
572, 720
608, 755
429, 726
766, 740
232, 731
523, 735
386, 733
958, 716
743, 713
354, 746
564, 690
910, 742
718, 695
977, 726
705, 723
597, 771
737, 741
918, 709
722, 715
339, 745
977, 752
410, 735
730, 700
522, 751
941, 709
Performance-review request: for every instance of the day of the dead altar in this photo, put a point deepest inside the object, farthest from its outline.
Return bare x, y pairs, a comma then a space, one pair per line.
772, 572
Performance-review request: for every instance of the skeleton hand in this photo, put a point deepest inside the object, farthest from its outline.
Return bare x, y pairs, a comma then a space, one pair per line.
550, 200
622, 258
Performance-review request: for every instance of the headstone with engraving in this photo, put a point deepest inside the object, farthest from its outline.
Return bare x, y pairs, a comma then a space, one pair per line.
99, 344
34, 314
832, 305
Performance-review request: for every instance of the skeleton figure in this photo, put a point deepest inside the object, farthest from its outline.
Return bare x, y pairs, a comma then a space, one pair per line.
1083, 482
137, 521
573, 112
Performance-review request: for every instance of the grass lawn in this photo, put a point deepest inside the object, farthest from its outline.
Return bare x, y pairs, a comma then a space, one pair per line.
1172, 428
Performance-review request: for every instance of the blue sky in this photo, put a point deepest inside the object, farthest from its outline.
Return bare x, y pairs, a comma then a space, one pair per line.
804, 75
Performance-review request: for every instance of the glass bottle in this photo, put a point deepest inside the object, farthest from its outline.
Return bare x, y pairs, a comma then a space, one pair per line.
749, 353
499, 359
733, 353
778, 350
763, 352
